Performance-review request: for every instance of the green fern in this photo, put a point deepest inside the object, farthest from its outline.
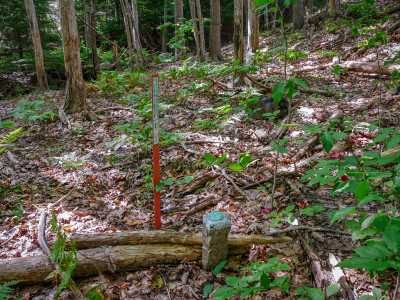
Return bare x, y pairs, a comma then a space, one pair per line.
5, 289
66, 260
4, 142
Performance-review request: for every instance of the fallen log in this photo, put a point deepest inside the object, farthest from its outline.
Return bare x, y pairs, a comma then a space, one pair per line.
92, 261
83, 241
369, 67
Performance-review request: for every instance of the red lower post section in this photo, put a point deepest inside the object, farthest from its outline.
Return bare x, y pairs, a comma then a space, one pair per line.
157, 200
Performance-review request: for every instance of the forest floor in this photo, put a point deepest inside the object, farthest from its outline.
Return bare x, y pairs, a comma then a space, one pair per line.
113, 187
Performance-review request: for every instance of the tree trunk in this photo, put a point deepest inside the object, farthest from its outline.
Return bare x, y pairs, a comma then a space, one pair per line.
37, 45
87, 17
202, 40
333, 7
132, 29
95, 56
20, 49
266, 17
288, 14
178, 19
252, 30
238, 52
165, 29
215, 30
192, 5
128, 34
310, 7
116, 57
75, 98
298, 14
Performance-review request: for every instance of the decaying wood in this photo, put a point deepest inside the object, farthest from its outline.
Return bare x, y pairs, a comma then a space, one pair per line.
95, 260
322, 275
339, 276
83, 241
46, 249
196, 184
369, 67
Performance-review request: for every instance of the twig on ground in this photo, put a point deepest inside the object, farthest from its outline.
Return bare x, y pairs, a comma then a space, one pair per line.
190, 150
115, 108
291, 228
234, 184
51, 205
187, 207
270, 178
201, 206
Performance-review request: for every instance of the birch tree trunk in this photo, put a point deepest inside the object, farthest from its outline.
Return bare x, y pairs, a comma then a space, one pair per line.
37, 45
178, 19
238, 52
128, 34
202, 40
215, 30
298, 14
266, 17
75, 98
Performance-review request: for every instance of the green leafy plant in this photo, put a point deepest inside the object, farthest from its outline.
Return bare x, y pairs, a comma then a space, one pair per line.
31, 111
259, 280
317, 294
170, 181
286, 215
5, 289
65, 258
11, 138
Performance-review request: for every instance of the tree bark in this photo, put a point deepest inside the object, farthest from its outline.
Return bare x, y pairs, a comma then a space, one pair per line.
201, 25
310, 7
215, 30
192, 5
86, 5
95, 56
75, 98
238, 51
37, 45
298, 14
253, 30
164, 48
178, 19
333, 7
116, 57
83, 241
128, 35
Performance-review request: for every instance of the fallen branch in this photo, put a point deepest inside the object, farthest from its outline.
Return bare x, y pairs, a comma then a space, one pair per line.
270, 178
234, 184
186, 207
201, 206
115, 108
306, 228
190, 150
